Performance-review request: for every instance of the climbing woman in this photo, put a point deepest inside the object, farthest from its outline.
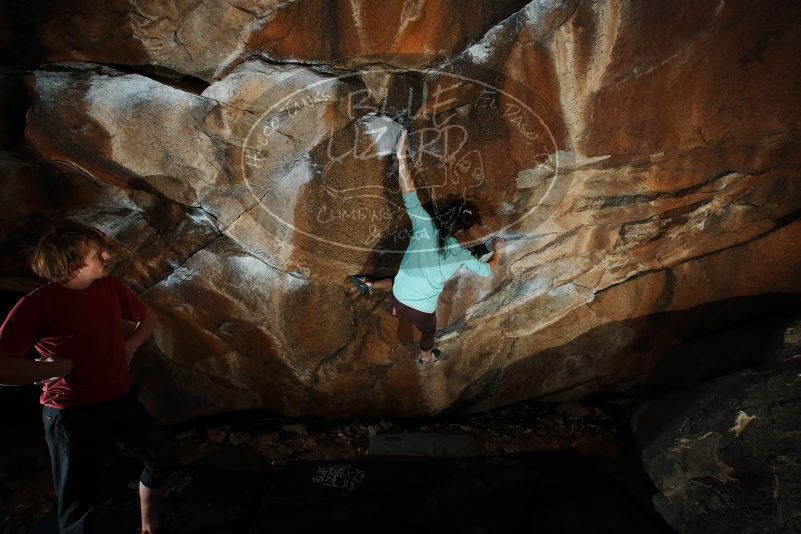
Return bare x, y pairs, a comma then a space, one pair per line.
433, 256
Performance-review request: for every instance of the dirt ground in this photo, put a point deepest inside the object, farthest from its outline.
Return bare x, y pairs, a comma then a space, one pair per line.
256, 441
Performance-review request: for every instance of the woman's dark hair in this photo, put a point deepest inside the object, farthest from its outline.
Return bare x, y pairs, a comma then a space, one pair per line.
452, 217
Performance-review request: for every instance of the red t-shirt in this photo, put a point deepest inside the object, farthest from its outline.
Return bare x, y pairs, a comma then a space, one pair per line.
82, 325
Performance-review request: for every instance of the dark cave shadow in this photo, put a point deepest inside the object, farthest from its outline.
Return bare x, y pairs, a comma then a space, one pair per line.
675, 350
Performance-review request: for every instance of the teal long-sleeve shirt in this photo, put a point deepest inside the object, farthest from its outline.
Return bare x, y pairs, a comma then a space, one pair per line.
424, 270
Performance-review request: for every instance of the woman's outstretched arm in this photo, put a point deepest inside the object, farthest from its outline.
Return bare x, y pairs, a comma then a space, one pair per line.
404, 176
421, 220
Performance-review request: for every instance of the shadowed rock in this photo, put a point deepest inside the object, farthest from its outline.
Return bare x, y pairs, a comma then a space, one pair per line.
724, 455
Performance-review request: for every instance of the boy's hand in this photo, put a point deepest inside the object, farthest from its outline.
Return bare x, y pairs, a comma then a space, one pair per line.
60, 367
143, 330
130, 349
498, 243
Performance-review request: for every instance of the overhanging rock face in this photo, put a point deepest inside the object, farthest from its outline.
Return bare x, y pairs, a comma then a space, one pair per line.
638, 169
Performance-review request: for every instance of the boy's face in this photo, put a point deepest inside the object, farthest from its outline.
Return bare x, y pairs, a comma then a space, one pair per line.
95, 263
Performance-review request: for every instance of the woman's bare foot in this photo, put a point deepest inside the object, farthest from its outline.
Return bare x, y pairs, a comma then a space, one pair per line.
429, 356
362, 284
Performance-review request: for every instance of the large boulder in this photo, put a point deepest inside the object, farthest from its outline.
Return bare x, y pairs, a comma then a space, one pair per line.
206, 39
724, 455
641, 174
153, 236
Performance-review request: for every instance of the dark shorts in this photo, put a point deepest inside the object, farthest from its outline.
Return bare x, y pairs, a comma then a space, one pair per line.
78, 439
426, 323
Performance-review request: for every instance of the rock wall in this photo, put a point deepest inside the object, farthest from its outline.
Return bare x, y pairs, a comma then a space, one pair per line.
724, 455
642, 164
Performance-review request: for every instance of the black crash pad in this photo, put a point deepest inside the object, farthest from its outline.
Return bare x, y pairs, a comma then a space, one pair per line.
543, 493
540, 493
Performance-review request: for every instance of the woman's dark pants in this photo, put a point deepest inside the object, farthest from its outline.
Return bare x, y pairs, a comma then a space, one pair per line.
426, 323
